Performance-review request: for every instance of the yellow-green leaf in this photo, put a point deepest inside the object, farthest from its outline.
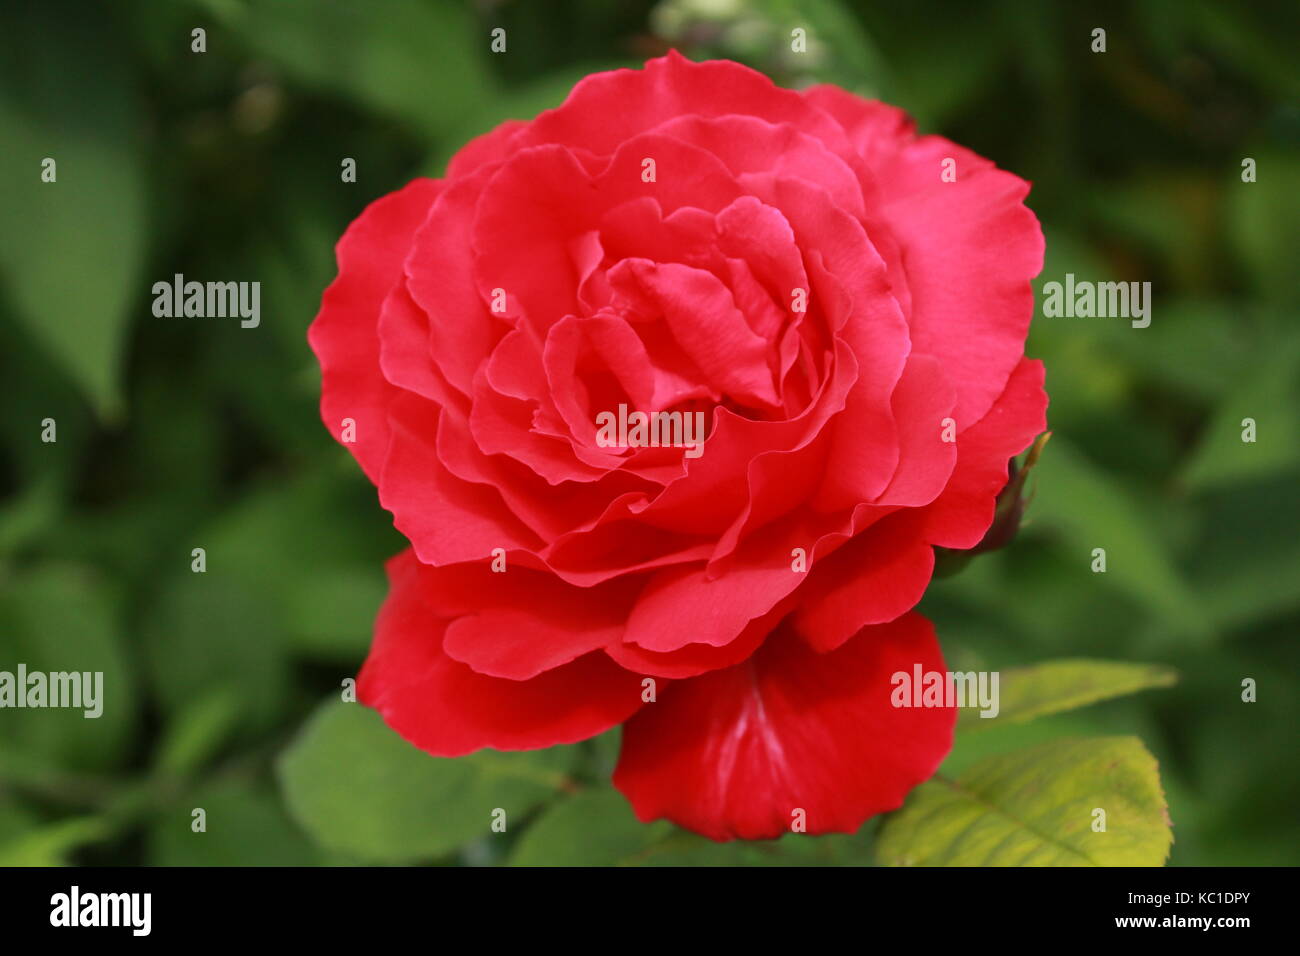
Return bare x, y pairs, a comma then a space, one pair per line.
1049, 688
1041, 806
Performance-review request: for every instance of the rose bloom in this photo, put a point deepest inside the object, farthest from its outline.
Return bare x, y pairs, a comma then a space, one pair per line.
850, 322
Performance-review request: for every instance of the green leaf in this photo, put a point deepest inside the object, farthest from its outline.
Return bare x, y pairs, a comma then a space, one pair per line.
29, 514
244, 827
593, 828
598, 828
359, 788
1202, 348
1269, 395
792, 849
1089, 510
15, 820
1263, 220
331, 613
972, 748
207, 632
1049, 688
1036, 807
49, 845
71, 250
1247, 559
324, 598
61, 619
196, 732
423, 62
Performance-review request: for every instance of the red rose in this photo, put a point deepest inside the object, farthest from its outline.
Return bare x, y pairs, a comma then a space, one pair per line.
796, 268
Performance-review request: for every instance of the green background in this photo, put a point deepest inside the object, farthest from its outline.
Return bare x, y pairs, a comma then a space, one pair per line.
176, 434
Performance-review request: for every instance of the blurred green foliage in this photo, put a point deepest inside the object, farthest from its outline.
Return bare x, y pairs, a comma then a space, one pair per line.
174, 434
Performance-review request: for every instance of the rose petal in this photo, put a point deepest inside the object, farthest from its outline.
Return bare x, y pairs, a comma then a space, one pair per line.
874, 578
445, 519
442, 706
970, 311
737, 753
605, 109
959, 517
344, 335
521, 622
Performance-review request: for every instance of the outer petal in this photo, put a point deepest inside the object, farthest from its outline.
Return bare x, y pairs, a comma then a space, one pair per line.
446, 519
695, 659
607, 108
735, 753
876, 130
877, 576
959, 517
970, 248
444, 707
460, 332
494, 146
523, 622
345, 334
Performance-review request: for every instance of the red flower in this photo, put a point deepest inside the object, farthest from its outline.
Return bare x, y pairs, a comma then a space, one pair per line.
798, 269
